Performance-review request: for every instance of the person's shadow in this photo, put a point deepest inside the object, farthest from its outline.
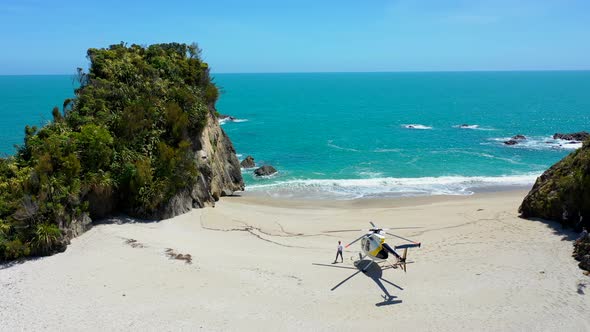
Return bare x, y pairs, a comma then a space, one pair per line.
373, 271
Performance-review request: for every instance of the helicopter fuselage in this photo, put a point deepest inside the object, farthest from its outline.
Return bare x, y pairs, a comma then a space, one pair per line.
372, 246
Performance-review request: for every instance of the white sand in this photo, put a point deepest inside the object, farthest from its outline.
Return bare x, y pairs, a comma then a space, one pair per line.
252, 270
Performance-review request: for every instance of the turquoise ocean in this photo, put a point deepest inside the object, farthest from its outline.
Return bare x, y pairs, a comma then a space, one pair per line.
354, 135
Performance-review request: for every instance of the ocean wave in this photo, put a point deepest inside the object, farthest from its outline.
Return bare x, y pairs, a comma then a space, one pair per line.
416, 126
390, 187
539, 143
478, 154
226, 120
472, 127
386, 150
337, 147
370, 175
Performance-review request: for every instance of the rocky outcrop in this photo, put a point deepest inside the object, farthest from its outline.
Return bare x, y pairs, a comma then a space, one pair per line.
219, 172
226, 117
515, 139
579, 136
248, 162
77, 226
265, 170
562, 193
582, 252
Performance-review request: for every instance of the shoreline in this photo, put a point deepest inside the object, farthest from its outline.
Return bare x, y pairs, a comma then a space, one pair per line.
387, 187
365, 202
266, 262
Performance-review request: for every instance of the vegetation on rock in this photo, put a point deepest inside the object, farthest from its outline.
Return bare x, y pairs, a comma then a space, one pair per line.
126, 138
562, 193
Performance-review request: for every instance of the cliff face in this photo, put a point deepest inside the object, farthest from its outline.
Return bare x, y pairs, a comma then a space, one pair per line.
219, 171
562, 193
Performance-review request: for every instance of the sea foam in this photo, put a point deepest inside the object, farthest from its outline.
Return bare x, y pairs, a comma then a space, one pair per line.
416, 126
539, 143
390, 187
226, 120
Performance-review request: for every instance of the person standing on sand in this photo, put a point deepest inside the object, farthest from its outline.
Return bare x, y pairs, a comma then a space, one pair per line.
339, 252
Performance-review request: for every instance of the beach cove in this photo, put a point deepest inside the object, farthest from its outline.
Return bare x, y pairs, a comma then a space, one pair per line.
480, 268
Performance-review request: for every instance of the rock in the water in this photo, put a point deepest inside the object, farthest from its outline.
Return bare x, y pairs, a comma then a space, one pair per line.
248, 162
226, 117
511, 142
518, 137
265, 170
579, 136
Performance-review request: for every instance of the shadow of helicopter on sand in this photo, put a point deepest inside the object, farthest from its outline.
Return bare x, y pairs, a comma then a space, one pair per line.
373, 271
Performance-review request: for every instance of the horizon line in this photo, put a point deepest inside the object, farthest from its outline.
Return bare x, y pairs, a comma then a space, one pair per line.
359, 72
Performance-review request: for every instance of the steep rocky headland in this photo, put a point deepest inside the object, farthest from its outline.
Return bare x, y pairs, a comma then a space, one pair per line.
141, 137
562, 194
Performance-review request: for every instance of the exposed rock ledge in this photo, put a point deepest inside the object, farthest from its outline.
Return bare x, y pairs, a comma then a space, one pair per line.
219, 172
579, 136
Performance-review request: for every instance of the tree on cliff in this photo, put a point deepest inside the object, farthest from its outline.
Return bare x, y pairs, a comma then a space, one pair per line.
126, 139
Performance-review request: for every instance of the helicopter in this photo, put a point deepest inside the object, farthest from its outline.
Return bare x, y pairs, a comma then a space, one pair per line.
374, 247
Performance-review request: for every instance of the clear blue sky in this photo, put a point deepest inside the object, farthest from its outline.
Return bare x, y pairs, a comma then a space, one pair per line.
51, 36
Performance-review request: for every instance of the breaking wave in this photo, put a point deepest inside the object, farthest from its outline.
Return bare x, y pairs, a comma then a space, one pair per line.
390, 187
539, 143
472, 127
416, 126
226, 120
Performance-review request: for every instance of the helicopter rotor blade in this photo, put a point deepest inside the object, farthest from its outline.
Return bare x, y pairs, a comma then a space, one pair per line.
412, 227
344, 230
401, 237
370, 222
348, 245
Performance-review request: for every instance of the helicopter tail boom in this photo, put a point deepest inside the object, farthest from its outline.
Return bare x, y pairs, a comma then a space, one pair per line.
409, 245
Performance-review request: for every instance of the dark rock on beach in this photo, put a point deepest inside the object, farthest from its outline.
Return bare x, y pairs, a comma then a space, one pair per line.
582, 252
511, 142
579, 136
519, 137
248, 162
265, 170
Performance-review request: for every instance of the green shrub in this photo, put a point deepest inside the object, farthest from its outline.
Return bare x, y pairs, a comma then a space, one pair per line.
46, 237
127, 134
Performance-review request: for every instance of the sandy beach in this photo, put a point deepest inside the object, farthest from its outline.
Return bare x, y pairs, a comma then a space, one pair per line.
265, 264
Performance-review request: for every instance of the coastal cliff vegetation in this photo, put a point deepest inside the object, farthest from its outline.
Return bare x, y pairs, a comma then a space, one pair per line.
562, 193
126, 143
